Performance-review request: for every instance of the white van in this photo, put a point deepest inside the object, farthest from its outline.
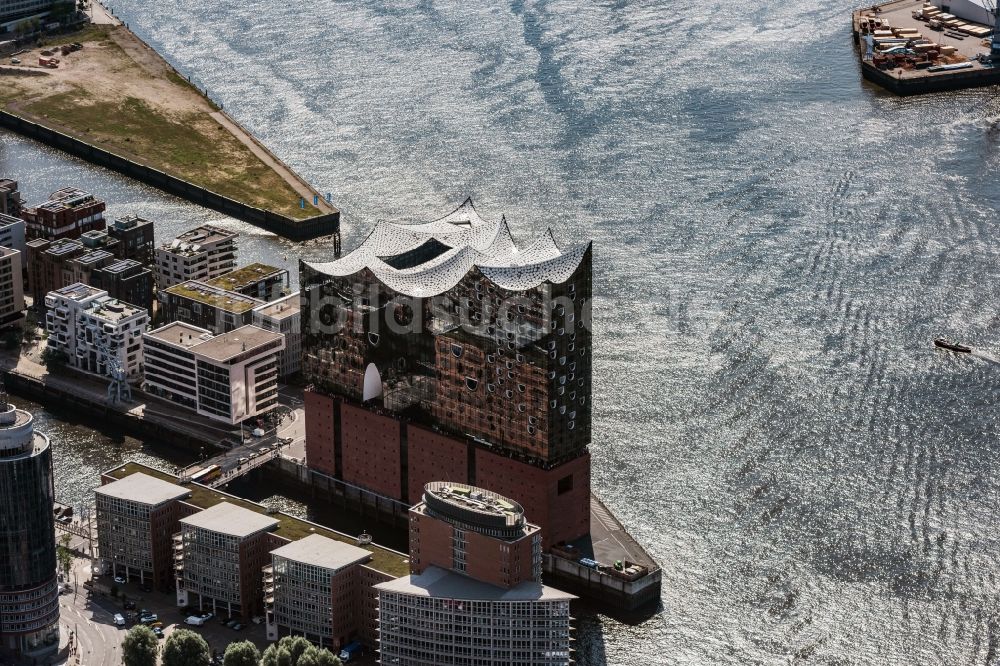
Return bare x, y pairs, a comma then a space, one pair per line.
195, 621
119, 620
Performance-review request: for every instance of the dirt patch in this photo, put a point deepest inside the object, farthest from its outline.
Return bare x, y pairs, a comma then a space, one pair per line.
118, 94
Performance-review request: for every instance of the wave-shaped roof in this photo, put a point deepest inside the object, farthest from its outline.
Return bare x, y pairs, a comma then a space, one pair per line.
467, 241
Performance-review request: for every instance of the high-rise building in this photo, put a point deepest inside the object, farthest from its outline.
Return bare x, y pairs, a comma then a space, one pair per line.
50, 266
219, 556
283, 316
207, 306
199, 254
445, 350
474, 594
229, 377
13, 11
474, 532
312, 589
90, 327
29, 596
10, 196
136, 520
135, 239
11, 287
127, 280
68, 213
12, 232
256, 280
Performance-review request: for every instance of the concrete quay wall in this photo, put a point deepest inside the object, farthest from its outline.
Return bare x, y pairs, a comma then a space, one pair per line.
295, 230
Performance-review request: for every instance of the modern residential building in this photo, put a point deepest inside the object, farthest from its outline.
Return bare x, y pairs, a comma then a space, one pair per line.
10, 196
256, 280
474, 532
219, 556
90, 327
127, 280
14, 11
49, 266
68, 213
136, 520
11, 287
440, 617
199, 254
302, 562
207, 306
474, 593
445, 350
135, 239
229, 377
312, 589
29, 596
83, 266
283, 316
12, 232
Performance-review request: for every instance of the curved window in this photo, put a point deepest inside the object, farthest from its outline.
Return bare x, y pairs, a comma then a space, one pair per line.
532, 420
521, 408
520, 388
583, 399
457, 350
471, 383
509, 393
571, 425
552, 374
373, 338
491, 388
572, 365
552, 344
562, 360
562, 409
531, 430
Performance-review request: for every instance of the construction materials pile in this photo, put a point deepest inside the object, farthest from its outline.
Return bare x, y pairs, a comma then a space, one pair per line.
908, 49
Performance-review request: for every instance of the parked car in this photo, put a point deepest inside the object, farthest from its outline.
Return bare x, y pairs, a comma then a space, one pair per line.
232, 623
195, 621
237, 627
205, 615
158, 632
148, 619
120, 580
119, 620
15, 61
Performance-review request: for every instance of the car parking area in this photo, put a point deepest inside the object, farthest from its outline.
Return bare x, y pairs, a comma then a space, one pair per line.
132, 600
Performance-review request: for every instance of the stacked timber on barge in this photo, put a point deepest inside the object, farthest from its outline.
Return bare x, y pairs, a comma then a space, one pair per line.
914, 48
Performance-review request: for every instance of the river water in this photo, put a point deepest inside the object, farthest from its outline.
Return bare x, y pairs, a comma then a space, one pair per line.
777, 243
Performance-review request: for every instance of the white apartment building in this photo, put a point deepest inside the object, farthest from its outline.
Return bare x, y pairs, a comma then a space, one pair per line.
441, 617
199, 254
284, 316
12, 233
229, 377
88, 325
11, 286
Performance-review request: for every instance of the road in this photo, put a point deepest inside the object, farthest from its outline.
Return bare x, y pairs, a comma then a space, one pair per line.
90, 619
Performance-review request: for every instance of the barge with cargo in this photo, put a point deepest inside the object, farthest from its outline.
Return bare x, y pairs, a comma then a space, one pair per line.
914, 48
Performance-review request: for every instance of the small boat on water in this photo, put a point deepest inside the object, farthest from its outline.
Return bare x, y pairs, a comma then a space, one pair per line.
951, 346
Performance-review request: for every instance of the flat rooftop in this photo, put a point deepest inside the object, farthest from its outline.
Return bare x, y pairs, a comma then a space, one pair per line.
238, 341
323, 552
93, 257
124, 265
8, 220
78, 291
64, 247
144, 489
193, 241
246, 276
180, 334
282, 308
216, 297
112, 310
438, 583
386, 560
230, 519
66, 199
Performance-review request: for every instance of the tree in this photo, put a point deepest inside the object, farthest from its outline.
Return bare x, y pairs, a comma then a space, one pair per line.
54, 358
139, 646
186, 648
297, 651
242, 653
64, 555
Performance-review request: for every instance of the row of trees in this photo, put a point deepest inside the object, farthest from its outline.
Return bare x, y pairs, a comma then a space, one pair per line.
186, 648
